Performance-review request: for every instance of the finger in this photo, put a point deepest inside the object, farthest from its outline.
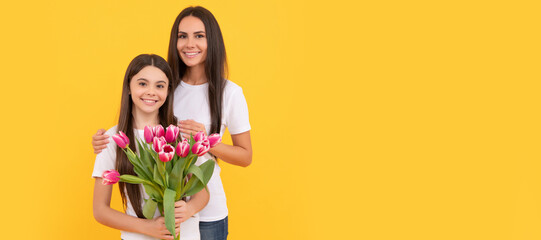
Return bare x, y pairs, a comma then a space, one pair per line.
101, 147
180, 203
167, 237
100, 137
166, 233
184, 130
100, 143
188, 127
100, 131
201, 126
97, 151
186, 121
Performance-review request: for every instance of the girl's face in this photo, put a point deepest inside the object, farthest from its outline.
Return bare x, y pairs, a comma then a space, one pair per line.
148, 89
192, 41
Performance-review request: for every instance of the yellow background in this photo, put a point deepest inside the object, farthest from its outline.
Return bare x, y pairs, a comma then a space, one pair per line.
370, 119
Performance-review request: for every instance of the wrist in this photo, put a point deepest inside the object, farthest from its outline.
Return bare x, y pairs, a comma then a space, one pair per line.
190, 209
143, 226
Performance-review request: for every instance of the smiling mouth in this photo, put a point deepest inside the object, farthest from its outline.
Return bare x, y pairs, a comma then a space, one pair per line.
191, 54
149, 100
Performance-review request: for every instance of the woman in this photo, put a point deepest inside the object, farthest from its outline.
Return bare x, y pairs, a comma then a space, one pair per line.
205, 101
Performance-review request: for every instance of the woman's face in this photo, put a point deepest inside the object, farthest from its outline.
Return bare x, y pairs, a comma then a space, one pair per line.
192, 41
148, 89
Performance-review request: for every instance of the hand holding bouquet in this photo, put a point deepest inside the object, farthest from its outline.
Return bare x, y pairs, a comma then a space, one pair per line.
163, 166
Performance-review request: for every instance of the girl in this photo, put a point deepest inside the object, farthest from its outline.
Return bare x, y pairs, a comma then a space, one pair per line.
205, 101
147, 100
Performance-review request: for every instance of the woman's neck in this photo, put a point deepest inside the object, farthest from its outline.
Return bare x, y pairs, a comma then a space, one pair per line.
195, 75
141, 119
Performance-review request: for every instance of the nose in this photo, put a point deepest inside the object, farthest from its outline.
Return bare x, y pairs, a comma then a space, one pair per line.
190, 42
151, 91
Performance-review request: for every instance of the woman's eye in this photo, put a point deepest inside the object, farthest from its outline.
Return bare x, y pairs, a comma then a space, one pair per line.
200, 36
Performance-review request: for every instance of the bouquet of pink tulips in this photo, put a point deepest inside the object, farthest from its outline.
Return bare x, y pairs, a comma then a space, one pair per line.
166, 168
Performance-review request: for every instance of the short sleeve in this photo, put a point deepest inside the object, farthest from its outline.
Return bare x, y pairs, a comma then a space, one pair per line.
237, 118
106, 160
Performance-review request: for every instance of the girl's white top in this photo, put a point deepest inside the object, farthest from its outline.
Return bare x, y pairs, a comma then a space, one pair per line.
191, 102
106, 160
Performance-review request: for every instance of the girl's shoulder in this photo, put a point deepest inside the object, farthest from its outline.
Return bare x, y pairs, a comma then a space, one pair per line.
112, 131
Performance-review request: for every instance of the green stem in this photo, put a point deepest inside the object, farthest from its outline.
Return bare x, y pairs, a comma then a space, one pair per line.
164, 181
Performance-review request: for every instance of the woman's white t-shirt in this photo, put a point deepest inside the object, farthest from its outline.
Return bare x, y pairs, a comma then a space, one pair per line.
106, 160
191, 102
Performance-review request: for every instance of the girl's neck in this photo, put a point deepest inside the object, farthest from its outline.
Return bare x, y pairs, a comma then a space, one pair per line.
195, 75
141, 119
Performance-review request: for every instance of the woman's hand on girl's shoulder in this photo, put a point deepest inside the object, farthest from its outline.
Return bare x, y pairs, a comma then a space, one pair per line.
156, 228
100, 141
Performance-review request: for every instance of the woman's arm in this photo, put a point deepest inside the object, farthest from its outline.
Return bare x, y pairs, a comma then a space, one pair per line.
240, 153
107, 216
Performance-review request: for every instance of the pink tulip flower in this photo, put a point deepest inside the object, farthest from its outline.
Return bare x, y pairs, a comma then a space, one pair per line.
158, 143
214, 139
149, 134
171, 133
200, 136
183, 148
121, 140
158, 131
167, 153
110, 177
200, 148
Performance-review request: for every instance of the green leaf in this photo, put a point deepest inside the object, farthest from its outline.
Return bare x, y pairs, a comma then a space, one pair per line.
169, 210
131, 179
145, 156
193, 186
150, 208
157, 177
153, 192
161, 168
166, 179
192, 158
169, 165
208, 169
137, 164
196, 172
174, 177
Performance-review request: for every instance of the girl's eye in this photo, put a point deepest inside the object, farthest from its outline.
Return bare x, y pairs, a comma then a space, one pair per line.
182, 36
142, 84
161, 86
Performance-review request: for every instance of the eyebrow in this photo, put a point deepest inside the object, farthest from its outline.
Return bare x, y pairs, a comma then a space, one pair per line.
144, 79
194, 32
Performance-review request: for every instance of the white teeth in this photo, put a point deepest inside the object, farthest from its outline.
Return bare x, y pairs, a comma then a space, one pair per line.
149, 101
191, 54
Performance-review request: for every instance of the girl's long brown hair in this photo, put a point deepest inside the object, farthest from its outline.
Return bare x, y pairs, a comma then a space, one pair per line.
215, 64
125, 124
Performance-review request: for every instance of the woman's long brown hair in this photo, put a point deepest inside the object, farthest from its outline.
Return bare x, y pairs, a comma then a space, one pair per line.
126, 124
